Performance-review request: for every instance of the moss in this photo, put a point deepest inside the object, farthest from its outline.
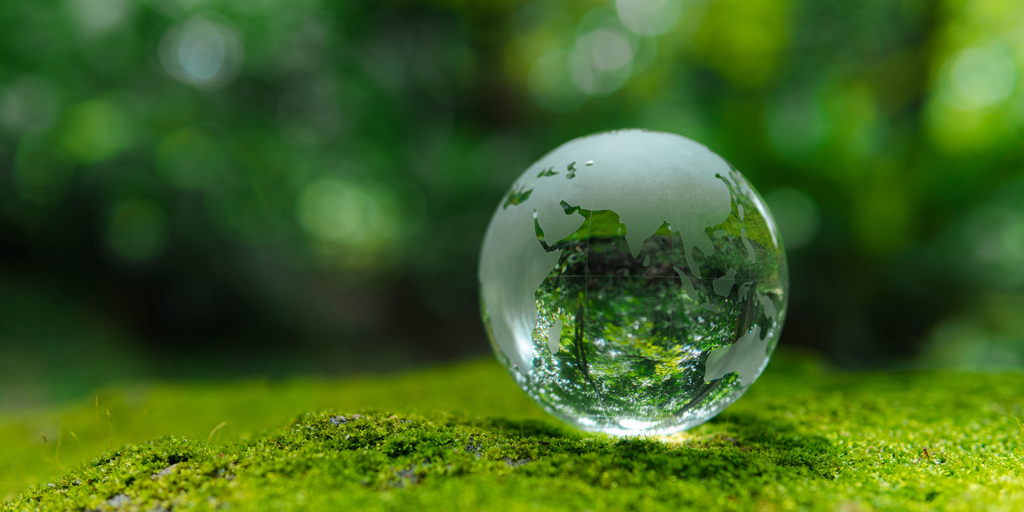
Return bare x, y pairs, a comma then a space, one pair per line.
804, 438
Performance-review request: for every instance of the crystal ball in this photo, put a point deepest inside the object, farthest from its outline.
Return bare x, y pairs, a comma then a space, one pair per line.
633, 282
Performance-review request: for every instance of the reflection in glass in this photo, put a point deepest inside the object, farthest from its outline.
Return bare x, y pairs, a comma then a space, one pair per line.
633, 282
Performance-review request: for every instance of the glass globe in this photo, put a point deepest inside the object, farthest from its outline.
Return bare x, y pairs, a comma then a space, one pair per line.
633, 282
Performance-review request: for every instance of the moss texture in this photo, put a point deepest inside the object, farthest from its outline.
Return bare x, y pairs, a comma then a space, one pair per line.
804, 438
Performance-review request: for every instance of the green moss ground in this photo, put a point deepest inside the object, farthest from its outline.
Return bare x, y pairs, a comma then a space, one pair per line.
804, 438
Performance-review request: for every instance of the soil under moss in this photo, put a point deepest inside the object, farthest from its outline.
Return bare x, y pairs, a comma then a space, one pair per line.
804, 438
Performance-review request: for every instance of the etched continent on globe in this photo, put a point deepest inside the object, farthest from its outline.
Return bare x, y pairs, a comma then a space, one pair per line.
633, 282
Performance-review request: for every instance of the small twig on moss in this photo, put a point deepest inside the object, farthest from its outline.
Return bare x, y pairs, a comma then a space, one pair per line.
1020, 423
214, 431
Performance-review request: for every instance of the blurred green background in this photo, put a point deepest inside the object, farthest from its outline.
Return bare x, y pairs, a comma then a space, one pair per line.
214, 189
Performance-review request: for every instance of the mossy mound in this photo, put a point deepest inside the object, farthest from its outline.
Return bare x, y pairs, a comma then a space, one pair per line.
803, 439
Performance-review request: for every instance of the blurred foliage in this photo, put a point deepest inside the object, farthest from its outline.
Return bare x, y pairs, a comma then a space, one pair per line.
264, 176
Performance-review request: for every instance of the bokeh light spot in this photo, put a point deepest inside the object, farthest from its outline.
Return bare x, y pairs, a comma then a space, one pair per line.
137, 229
581, 73
602, 57
982, 76
357, 219
28, 104
95, 17
607, 50
201, 52
649, 17
96, 130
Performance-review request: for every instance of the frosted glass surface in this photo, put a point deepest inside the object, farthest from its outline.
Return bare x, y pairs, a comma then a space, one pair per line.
633, 282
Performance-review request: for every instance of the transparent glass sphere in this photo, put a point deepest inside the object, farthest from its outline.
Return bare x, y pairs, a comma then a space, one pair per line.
633, 282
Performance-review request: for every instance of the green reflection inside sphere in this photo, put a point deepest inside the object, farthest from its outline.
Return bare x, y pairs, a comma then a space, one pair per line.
633, 282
